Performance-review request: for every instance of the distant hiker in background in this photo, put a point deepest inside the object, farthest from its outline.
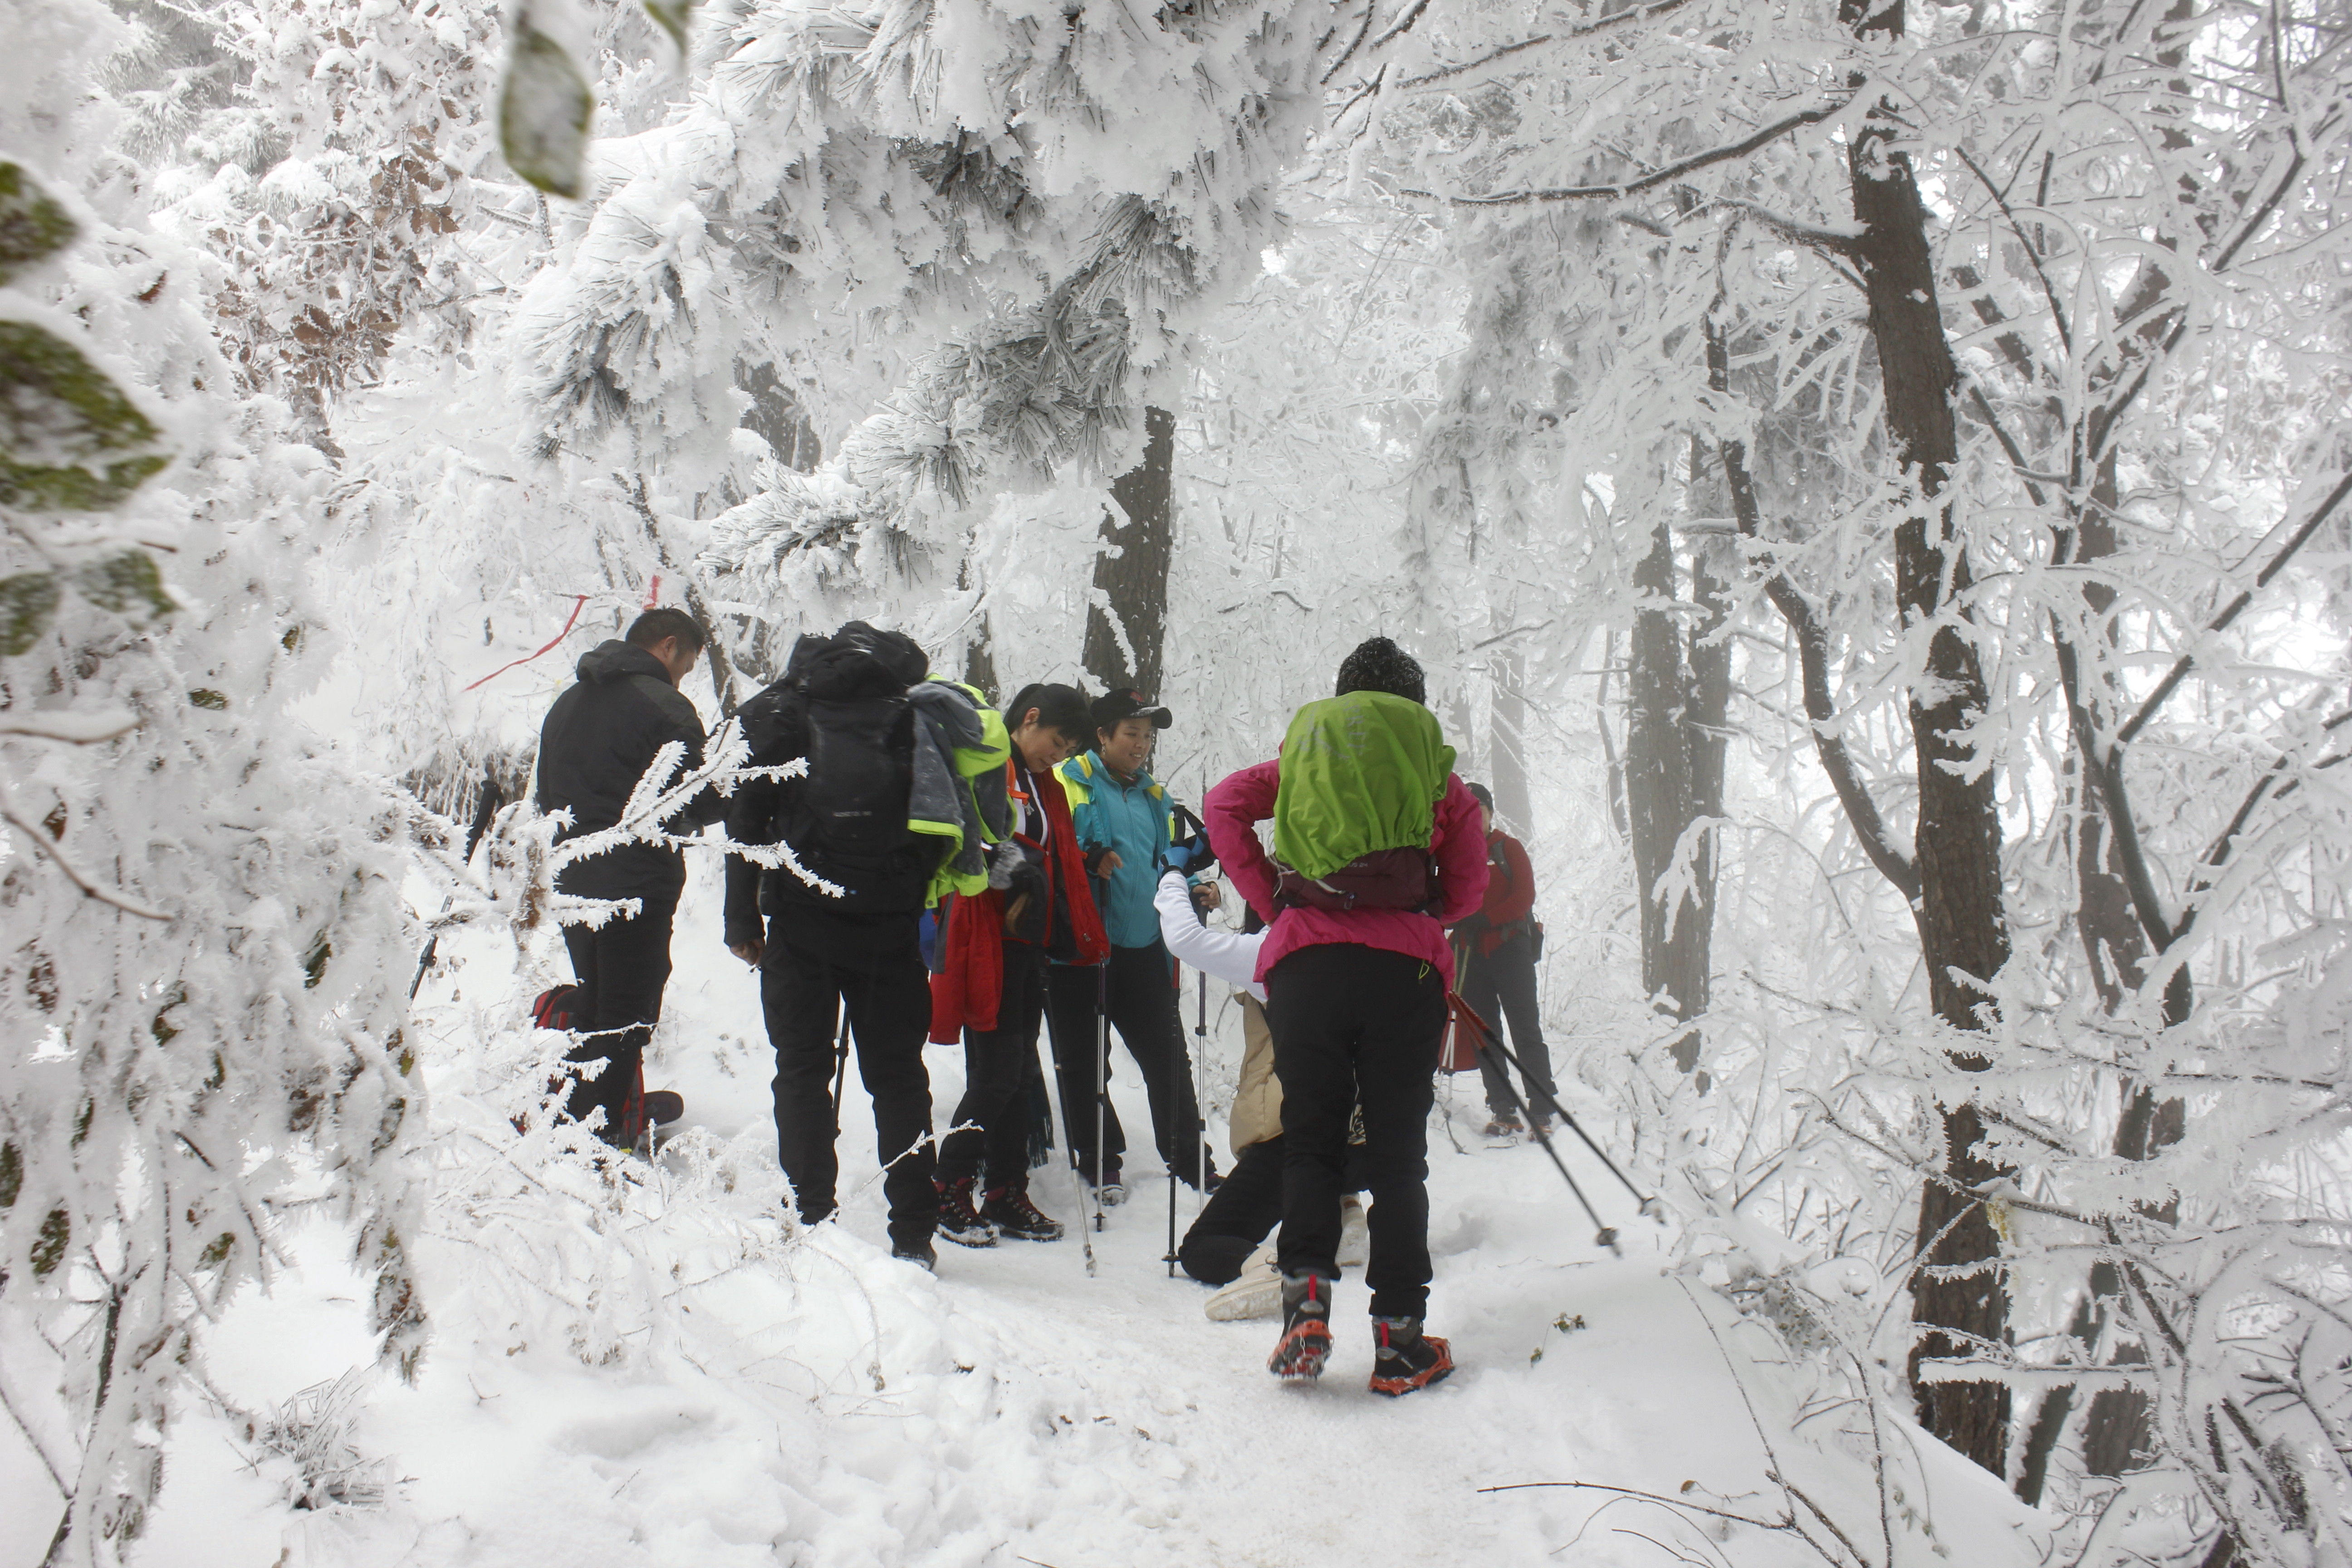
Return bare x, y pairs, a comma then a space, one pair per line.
1223, 1246
1376, 843
1494, 963
596, 744
1121, 814
903, 797
994, 945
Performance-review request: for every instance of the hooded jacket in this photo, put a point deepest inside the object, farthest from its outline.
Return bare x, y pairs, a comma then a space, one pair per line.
968, 989
597, 742
1131, 819
958, 797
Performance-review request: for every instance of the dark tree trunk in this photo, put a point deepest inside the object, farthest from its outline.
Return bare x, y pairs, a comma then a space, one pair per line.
1673, 776
2118, 1430
1958, 1301
980, 665
1135, 579
777, 418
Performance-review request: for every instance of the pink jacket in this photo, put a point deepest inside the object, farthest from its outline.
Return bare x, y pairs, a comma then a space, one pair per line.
1234, 807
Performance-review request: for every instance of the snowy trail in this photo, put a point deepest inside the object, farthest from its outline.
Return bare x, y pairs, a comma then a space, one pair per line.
843, 1409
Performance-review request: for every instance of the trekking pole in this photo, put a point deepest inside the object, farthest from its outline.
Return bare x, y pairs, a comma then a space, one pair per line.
1200, 1099
1057, 1119
486, 806
1102, 1075
1651, 1208
840, 1064
1171, 1258
1603, 1235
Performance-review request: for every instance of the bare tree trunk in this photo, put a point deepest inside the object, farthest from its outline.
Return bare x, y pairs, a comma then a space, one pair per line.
777, 418
980, 665
1506, 763
1135, 579
1616, 769
1958, 1298
2119, 1432
1677, 905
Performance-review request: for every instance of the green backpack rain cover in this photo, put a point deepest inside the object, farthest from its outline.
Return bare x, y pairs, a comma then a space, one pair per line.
1360, 774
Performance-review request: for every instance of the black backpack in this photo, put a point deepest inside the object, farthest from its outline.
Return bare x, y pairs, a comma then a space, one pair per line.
852, 806
843, 705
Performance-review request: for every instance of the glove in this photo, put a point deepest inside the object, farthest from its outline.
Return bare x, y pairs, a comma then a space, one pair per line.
1192, 857
1003, 863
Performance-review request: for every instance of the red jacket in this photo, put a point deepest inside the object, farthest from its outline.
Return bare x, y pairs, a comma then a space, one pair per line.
1234, 808
970, 987
1510, 892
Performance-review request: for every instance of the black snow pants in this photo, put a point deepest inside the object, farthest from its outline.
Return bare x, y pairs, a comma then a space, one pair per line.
991, 1124
1141, 1002
1354, 1023
621, 968
806, 983
1501, 985
1244, 1210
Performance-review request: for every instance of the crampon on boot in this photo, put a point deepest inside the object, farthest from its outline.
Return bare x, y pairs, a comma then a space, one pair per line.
960, 1220
1404, 1359
1305, 1341
1011, 1212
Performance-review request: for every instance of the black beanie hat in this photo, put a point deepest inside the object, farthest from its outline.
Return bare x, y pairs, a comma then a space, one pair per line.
1379, 664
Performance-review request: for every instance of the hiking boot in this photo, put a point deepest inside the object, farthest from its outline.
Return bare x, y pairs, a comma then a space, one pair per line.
1506, 1124
960, 1219
921, 1254
1404, 1359
663, 1105
1255, 1292
1011, 1212
1306, 1342
1111, 1193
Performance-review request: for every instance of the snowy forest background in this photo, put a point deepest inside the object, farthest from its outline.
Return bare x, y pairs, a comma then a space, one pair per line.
1866, 482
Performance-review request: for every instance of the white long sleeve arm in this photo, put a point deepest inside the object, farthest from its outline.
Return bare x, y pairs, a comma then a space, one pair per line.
1226, 955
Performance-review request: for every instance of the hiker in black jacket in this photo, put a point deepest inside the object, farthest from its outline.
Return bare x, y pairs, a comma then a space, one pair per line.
598, 740
848, 965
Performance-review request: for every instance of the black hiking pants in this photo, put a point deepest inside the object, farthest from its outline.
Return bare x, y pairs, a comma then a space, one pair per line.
1139, 998
621, 968
1244, 1210
1352, 1025
804, 988
1501, 985
991, 1136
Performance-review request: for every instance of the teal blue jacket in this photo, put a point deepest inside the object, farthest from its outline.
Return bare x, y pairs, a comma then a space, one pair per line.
1131, 819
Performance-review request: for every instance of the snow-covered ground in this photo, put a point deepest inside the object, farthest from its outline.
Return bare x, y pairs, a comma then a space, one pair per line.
736, 1396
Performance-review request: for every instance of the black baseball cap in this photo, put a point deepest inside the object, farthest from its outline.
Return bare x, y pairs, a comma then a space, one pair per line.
1113, 706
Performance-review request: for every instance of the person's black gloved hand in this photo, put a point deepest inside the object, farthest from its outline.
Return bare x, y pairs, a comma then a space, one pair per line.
1190, 854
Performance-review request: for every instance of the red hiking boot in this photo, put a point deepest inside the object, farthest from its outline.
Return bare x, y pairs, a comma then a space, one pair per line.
1306, 1342
960, 1220
1404, 1359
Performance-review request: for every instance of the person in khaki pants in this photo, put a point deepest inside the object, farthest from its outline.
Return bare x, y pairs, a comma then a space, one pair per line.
1226, 1246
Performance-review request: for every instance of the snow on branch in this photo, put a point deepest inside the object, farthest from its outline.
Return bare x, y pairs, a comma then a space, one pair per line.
1667, 174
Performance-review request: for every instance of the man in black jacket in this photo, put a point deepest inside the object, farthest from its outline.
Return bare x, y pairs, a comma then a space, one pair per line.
599, 739
843, 705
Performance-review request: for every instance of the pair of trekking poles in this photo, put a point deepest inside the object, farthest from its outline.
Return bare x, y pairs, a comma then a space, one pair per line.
1489, 1047
1197, 1134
